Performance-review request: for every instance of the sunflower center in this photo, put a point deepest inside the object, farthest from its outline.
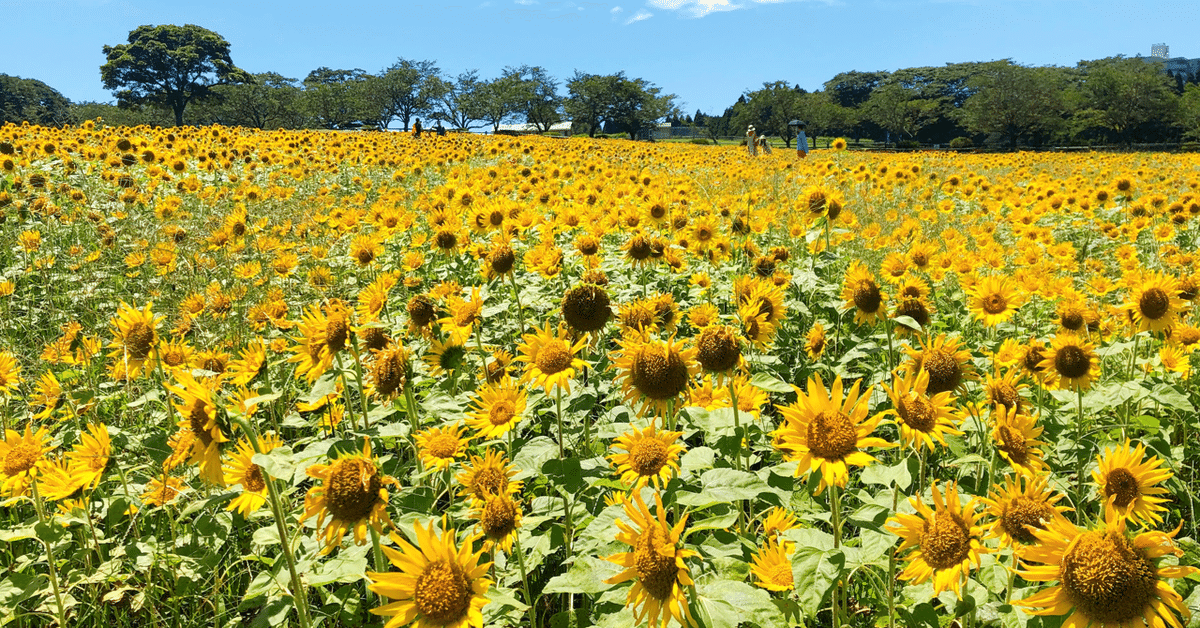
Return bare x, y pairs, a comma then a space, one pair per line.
336, 333
647, 456
1003, 394
832, 436
586, 307
995, 304
914, 309
489, 481
501, 412
198, 421
1072, 320
1033, 359
639, 248
1014, 445
253, 480
502, 260
138, 340
718, 349
420, 310
780, 575
554, 357
945, 373
442, 593
446, 240
1072, 362
499, 517
867, 296
1154, 303
353, 489
1122, 484
659, 373
656, 569
945, 542
917, 413
1022, 514
443, 446
1106, 579
21, 459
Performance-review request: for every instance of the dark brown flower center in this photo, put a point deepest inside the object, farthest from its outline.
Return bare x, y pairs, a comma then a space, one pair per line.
1021, 514
656, 570
945, 541
659, 373
1106, 579
945, 373
1122, 484
647, 456
995, 304
832, 436
1072, 362
553, 357
1013, 444
867, 297
917, 413
352, 489
1154, 303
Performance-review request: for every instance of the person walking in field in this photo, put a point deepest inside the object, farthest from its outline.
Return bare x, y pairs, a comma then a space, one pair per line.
417, 128
801, 142
751, 141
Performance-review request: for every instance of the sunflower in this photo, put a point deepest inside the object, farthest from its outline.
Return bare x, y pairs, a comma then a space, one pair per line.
240, 470
135, 336
490, 474
549, 357
200, 435
498, 408
826, 431
637, 316
465, 314
815, 341
1030, 357
772, 567
388, 371
994, 300
351, 495
162, 491
944, 541
946, 361
655, 564
1005, 390
1023, 504
1154, 304
718, 349
439, 446
57, 481
422, 311
89, 457
1015, 436
1105, 579
439, 585
860, 292
755, 327
250, 363
22, 455
923, 418
654, 371
1129, 482
10, 373
649, 456
499, 517
586, 308
1071, 363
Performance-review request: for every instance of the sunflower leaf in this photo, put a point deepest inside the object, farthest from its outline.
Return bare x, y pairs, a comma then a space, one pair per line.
722, 486
586, 575
730, 603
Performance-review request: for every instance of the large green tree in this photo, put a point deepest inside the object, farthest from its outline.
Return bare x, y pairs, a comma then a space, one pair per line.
460, 101
589, 97
169, 66
537, 92
30, 100
901, 110
272, 101
1016, 102
1126, 96
1189, 111
770, 109
408, 89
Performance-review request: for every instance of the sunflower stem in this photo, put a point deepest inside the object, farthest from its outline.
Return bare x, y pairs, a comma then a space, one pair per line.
346, 389
737, 426
299, 593
1079, 464
887, 325
891, 583
41, 512
835, 509
517, 297
378, 553
558, 410
525, 580
362, 384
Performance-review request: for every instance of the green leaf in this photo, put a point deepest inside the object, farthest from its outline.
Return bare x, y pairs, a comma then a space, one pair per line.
907, 321
278, 463
1170, 396
814, 570
586, 575
729, 603
697, 459
722, 486
770, 383
713, 423
884, 475
719, 522
566, 474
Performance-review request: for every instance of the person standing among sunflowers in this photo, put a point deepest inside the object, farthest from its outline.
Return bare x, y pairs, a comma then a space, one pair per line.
801, 142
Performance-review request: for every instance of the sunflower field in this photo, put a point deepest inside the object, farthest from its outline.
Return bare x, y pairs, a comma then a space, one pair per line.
338, 379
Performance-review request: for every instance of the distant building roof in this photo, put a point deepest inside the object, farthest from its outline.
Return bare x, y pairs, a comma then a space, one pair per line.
529, 128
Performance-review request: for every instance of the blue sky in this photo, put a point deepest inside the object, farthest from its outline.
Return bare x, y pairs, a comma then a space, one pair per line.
707, 52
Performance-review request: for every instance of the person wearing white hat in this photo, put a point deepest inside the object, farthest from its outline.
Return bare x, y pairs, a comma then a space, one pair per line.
751, 141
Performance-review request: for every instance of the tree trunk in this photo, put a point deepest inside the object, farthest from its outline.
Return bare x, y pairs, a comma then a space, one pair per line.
178, 109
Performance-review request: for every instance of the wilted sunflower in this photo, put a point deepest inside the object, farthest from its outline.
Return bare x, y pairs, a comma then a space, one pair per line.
490, 474
351, 495
1154, 304
994, 299
200, 434
251, 361
388, 371
422, 310
498, 408
240, 470
1071, 363
946, 361
324, 332
1024, 503
549, 358
944, 541
860, 292
439, 446
1105, 579
1129, 482
654, 371
655, 564
648, 456
586, 308
772, 567
439, 585
923, 418
826, 431
135, 336
1015, 437
638, 250
21, 455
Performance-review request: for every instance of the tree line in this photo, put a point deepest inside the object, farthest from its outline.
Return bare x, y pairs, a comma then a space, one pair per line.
171, 74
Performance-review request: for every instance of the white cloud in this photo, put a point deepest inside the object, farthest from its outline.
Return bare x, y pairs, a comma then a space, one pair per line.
639, 16
525, 3
701, 8
615, 10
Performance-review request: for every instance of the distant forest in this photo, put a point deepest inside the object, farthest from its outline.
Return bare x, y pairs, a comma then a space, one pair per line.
1114, 100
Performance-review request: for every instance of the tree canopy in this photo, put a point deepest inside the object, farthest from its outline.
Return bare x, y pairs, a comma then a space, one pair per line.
33, 101
169, 65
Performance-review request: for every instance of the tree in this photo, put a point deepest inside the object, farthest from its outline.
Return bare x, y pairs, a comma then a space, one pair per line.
900, 110
852, 89
500, 99
334, 98
169, 66
538, 93
826, 117
770, 110
1189, 111
637, 103
409, 89
1015, 102
272, 101
589, 99
1124, 95
30, 100
460, 101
